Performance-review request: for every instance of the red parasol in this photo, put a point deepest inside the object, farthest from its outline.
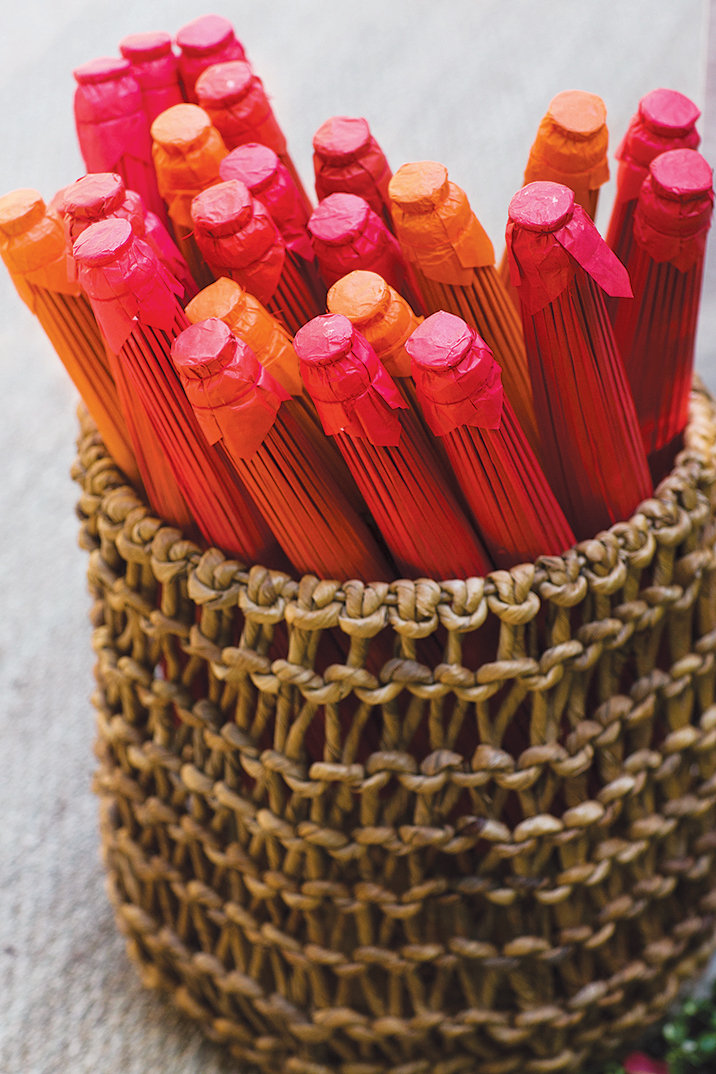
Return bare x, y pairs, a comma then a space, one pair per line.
238, 238
134, 300
591, 449
187, 152
154, 65
32, 245
459, 387
348, 235
101, 194
235, 100
387, 452
665, 120
271, 183
454, 262
238, 403
656, 332
202, 42
348, 160
112, 126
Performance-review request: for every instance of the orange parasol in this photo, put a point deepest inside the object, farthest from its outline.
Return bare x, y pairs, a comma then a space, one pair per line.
387, 452
135, 303
32, 245
101, 194
383, 318
459, 387
348, 235
112, 126
656, 332
665, 120
348, 160
591, 448
187, 152
238, 403
238, 238
454, 263
235, 100
154, 65
202, 42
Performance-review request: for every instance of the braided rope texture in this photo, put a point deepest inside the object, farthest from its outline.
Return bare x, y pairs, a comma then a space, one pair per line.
418, 827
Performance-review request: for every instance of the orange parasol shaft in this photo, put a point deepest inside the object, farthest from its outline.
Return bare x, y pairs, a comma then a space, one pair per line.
454, 263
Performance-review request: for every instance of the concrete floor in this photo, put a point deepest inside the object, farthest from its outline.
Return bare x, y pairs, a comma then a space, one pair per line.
464, 82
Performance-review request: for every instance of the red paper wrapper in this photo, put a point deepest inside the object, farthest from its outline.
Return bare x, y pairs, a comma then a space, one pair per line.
656, 332
348, 160
387, 452
271, 183
454, 262
32, 245
112, 126
238, 238
665, 120
187, 151
348, 235
235, 99
460, 390
135, 303
591, 449
204, 41
102, 194
238, 402
156, 70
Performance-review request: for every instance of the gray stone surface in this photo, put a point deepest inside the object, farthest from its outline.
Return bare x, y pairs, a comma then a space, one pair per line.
462, 82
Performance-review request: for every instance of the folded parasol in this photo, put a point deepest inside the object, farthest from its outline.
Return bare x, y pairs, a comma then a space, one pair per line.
155, 67
202, 42
348, 160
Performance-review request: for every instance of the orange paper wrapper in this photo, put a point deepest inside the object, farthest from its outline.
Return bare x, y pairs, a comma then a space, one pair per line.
187, 151
238, 238
656, 331
113, 129
238, 403
235, 99
102, 194
348, 160
591, 449
665, 120
155, 67
32, 245
454, 262
135, 303
202, 42
460, 390
387, 452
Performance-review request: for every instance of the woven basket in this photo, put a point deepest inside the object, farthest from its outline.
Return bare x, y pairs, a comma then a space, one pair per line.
420, 828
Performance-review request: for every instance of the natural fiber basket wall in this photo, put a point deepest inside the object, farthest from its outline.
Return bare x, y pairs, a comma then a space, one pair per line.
421, 828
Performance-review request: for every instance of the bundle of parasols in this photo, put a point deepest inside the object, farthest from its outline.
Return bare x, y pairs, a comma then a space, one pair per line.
357, 389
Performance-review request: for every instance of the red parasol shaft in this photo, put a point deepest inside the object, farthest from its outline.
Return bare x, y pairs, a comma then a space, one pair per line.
113, 129
656, 332
387, 452
235, 100
155, 67
348, 160
135, 303
591, 448
202, 42
459, 387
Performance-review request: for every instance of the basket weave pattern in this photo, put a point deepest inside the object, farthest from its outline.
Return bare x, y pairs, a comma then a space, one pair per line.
421, 828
